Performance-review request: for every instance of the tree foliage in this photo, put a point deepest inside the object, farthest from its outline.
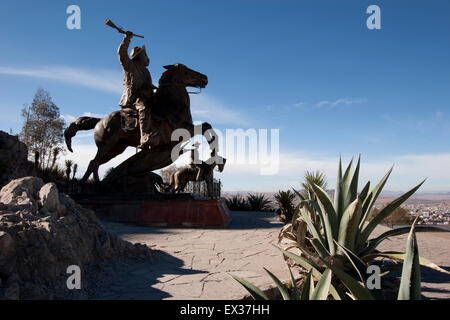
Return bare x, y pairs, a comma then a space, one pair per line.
43, 127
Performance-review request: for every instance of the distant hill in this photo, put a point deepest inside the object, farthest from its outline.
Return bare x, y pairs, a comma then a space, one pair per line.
384, 197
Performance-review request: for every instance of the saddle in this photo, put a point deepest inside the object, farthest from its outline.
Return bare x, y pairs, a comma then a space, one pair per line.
129, 119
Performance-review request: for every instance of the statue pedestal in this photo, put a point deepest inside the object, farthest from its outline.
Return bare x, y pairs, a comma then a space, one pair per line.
181, 210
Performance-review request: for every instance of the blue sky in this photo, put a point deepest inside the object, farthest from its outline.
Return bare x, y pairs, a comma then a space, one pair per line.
311, 69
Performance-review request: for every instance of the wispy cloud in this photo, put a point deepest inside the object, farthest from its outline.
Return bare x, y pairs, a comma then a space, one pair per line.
329, 103
340, 101
207, 108
300, 105
428, 122
105, 80
408, 171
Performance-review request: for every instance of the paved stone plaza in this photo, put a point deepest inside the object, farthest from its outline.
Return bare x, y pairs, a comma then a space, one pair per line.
195, 263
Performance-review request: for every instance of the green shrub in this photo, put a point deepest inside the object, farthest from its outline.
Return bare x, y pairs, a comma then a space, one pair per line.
285, 202
237, 203
318, 178
258, 202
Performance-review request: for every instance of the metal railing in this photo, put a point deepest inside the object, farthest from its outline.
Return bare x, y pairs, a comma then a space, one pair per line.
200, 188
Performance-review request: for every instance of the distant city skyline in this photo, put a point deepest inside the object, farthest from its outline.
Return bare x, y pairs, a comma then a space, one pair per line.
311, 69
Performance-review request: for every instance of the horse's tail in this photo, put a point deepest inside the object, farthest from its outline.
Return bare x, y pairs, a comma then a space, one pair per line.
82, 123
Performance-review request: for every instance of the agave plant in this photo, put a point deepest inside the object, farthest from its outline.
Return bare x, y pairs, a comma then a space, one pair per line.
237, 203
308, 291
336, 233
258, 202
285, 202
409, 289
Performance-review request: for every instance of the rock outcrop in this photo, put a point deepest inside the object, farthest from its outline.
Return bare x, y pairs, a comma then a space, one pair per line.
42, 233
13, 159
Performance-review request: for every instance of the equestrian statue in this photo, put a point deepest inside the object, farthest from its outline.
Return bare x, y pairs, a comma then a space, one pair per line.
148, 117
197, 171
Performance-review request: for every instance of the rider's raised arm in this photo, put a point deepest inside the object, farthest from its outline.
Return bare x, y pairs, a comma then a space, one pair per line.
123, 52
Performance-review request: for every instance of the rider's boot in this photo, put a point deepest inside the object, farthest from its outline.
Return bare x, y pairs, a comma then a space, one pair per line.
147, 136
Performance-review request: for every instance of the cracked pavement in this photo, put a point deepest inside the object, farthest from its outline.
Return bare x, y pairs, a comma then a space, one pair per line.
196, 263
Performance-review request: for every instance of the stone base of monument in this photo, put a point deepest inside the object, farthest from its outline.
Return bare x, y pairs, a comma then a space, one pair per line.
175, 210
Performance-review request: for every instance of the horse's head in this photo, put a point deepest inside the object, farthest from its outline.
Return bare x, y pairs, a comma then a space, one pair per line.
181, 75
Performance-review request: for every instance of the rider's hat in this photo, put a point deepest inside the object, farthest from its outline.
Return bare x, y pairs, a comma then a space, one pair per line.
137, 51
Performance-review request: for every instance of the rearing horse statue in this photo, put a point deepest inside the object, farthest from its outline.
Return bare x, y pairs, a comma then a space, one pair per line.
170, 111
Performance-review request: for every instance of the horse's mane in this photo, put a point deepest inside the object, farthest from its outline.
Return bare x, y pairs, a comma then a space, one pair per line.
166, 77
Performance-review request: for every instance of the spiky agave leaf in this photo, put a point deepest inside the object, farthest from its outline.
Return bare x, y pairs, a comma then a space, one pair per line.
364, 193
327, 208
354, 183
348, 227
358, 265
295, 289
281, 287
308, 287
345, 196
322, 289
373, 243
410, 282
316, 271
254, 291
366, 230
337, 190
372, 197
400, 256
310, 224
358, 291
